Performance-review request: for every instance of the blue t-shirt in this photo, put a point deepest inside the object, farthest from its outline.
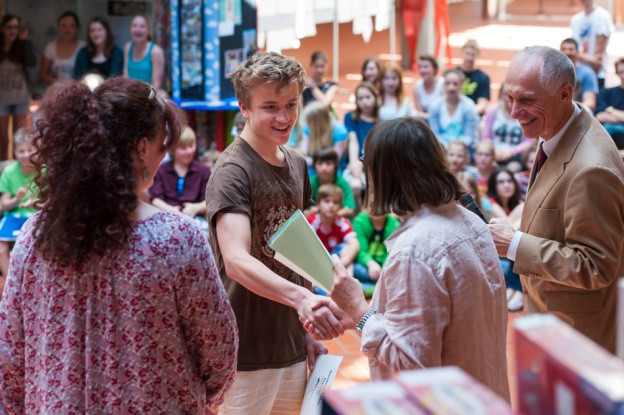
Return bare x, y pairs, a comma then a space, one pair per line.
587, 80
610, 97
361, 129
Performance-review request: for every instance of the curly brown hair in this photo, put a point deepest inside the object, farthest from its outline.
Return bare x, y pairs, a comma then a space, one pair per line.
84, 144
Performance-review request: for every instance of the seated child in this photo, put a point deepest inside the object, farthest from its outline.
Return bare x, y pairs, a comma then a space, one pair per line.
19, 193
485, 164
371, 231
325, 162
180, 184
457, 156
332, 229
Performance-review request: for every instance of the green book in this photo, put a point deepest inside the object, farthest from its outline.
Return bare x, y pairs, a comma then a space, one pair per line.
297, 246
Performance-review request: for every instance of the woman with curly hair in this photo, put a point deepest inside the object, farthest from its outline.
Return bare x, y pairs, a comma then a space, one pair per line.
111, 306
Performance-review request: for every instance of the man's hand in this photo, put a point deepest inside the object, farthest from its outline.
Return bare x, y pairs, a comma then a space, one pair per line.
313, 349
347, 292
342, 317
502, 233
321, 317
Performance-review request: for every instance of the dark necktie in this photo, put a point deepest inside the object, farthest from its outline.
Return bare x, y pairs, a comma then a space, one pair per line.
541, 157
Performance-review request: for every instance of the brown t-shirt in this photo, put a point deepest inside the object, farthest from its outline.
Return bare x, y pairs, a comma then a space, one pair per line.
271, 335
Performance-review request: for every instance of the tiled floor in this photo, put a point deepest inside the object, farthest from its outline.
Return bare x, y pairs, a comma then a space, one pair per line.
354, 366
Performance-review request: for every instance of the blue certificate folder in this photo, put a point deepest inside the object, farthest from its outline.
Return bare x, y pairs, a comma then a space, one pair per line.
298, 247
10, 227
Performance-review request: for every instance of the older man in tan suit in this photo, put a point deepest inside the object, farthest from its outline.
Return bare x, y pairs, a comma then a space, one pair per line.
569, 250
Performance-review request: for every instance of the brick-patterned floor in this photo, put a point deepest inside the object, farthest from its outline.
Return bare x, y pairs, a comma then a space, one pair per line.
354, 366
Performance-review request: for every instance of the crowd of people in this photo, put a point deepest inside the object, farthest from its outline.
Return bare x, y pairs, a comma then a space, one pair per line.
142, 279
70, 57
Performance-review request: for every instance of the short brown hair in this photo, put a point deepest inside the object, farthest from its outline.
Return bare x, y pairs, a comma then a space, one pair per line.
330, 190
265, 68
406, 168
455, 71
431, 59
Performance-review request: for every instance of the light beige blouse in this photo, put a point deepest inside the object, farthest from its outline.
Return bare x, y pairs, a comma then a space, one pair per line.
440, 299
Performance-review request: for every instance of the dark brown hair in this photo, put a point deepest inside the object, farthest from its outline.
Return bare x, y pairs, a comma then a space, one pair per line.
493, 193
85, 142
374, 60
406, 168
71, 14
326, 154
432, 60
316, 55
110, 39
16, 51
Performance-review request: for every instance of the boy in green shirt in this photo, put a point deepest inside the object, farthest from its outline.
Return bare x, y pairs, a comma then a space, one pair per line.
325, 162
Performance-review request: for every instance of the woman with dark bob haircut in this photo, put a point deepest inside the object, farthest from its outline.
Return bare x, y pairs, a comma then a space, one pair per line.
440, 299
111, 306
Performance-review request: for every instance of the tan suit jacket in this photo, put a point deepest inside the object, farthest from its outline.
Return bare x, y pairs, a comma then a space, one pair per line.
573, 249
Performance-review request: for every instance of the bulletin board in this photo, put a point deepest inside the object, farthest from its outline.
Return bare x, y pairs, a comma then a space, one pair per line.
209, 38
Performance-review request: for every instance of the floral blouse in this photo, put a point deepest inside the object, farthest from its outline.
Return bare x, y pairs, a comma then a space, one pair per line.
146, 329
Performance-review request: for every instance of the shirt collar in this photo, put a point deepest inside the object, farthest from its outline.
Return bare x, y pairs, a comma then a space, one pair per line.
550, 144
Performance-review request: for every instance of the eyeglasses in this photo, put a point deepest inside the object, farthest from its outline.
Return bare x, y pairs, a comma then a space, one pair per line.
180, 188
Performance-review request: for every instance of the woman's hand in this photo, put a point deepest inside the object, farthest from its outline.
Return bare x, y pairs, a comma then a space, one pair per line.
347, 292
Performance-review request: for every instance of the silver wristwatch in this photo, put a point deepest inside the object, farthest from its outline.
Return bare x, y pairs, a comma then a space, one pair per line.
360, 324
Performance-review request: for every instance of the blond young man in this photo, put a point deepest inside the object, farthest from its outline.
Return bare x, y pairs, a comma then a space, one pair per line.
257, 184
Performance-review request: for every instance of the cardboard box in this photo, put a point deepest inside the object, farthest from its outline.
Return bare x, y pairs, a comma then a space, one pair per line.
560, 371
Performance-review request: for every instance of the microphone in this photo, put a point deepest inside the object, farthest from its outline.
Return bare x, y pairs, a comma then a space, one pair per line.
469, 203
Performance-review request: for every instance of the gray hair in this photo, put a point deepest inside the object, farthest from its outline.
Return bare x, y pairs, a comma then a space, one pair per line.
556, 70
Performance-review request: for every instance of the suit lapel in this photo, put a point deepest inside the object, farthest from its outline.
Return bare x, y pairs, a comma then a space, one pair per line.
554, 168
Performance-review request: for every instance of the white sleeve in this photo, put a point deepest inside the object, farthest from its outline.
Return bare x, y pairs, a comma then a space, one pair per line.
50, 51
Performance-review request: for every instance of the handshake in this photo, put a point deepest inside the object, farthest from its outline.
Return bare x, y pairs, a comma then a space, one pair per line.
325, 318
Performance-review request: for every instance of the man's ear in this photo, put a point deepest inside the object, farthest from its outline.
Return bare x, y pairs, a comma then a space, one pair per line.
244, 110
566, 92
